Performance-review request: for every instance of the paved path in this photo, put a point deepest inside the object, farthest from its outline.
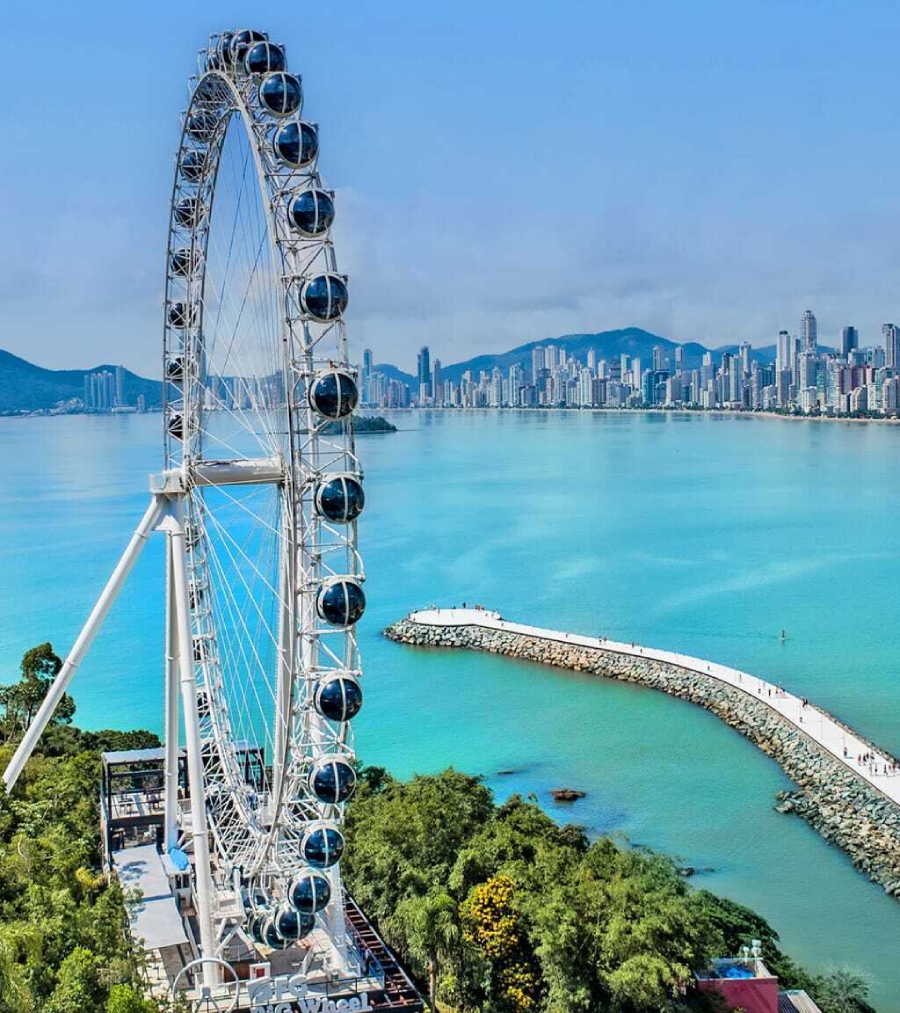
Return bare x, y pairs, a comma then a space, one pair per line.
816, 723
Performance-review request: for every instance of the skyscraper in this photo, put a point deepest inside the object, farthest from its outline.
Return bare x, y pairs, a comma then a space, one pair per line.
849, 340
891, 345
424, 371
437, 385
744, 353
808, 332
120, 385
657, 358
537, 362
783, 352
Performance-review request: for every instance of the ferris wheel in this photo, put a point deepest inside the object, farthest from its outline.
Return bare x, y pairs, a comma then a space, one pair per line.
259, 495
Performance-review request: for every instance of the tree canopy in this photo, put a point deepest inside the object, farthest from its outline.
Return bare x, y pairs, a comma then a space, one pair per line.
500, 910
62, 945
495, 908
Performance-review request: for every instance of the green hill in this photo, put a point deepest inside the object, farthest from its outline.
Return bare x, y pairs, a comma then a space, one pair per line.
25, 387
609, 345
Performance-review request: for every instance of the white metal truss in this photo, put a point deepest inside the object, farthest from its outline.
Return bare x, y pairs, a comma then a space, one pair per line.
248, 551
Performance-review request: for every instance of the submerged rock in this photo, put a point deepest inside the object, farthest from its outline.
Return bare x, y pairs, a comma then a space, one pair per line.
567, 794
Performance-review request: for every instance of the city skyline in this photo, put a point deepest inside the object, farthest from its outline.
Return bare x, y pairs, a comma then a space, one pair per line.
804, 377
682, 215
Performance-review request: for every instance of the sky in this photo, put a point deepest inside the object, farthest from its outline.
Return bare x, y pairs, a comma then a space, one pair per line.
505, 171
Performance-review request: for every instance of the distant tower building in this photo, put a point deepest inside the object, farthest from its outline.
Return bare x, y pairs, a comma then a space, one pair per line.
550, 357
679, 358
891, 336
537, 362
657, 358
366, 373
120, 385
87, 391
437, 383
783, 352
592, 360
424, 370
808, 332
849, 340
744, 353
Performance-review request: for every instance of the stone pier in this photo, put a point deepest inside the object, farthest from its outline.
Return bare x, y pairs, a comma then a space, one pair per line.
848, 789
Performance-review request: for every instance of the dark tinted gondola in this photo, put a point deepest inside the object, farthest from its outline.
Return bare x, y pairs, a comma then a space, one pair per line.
297, 144
264, 58
341, 602
281, 94
324, 297
339, 698
309, 892
322, 845
312, 212
332, 780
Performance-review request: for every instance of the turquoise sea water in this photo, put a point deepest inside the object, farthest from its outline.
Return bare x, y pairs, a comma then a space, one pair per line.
705, 534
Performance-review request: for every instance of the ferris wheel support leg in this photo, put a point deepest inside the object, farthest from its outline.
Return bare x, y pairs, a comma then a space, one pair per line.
199, 828
286, 643
172, 691
94, 621
337, 920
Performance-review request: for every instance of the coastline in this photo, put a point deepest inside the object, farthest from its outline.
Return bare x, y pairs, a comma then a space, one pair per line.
843, 797
706, 412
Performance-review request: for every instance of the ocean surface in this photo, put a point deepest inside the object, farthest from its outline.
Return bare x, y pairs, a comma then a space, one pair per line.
707, 534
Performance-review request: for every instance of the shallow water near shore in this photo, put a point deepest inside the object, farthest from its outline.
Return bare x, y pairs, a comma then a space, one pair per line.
699, 533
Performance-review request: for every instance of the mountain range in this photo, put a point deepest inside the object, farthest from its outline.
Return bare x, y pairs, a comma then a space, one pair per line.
27, 387
609, 345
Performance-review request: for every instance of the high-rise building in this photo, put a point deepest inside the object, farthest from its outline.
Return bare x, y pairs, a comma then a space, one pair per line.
592, 360
366, 375
550, 357
437, 383
424, 371
120, 386
657, 358
849, 340
808, 332
783, 352
537, 362
891, 336
679, 358
744, 353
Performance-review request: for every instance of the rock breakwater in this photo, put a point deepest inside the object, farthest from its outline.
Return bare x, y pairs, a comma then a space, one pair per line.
847, 811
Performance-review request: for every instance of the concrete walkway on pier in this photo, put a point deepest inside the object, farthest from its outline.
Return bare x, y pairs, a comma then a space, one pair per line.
813, 722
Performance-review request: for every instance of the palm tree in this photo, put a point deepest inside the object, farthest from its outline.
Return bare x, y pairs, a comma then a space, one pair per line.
431, 926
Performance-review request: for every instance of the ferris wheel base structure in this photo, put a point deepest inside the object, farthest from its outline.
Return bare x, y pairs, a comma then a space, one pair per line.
258, 501
366, 972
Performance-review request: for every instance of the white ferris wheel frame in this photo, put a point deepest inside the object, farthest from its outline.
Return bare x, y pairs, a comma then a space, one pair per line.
253, 841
